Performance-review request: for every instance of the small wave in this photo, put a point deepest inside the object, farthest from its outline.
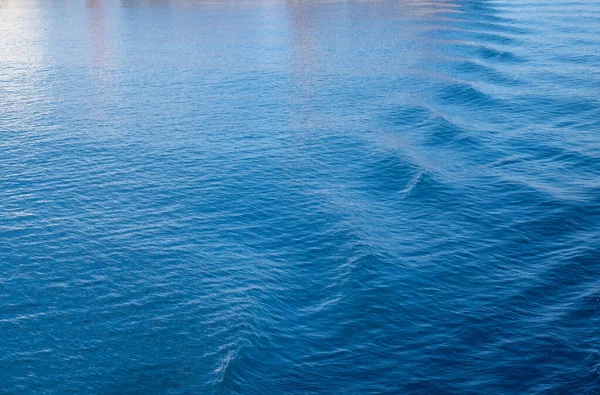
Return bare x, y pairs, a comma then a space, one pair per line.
221, 370
411, 185
488, 53
466, 94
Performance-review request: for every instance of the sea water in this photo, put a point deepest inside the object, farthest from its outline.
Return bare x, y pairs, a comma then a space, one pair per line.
269, 197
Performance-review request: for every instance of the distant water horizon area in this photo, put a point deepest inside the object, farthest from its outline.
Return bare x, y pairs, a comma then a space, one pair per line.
299, 197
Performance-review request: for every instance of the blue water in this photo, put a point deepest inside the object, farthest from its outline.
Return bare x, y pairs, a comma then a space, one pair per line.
269, 197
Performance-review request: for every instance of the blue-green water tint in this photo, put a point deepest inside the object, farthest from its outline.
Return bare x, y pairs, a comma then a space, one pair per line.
266, 197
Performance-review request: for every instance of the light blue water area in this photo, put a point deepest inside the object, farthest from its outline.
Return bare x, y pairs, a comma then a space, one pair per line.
268, 197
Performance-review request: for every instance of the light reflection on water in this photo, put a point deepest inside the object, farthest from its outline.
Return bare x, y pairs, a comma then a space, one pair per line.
299, 196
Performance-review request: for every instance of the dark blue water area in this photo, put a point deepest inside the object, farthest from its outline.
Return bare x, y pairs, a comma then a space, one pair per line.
299, 197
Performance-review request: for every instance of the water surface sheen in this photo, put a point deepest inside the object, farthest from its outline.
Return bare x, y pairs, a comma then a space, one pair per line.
267, 197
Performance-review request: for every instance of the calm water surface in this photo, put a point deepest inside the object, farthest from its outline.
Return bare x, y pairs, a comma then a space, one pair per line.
268, 197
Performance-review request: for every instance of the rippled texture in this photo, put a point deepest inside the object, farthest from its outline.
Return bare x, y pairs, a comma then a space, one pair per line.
265, 197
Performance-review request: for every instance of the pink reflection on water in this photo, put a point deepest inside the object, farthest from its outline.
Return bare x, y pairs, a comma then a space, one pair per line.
98, 33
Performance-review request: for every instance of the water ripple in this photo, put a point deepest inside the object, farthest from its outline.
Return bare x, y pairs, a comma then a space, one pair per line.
273, 196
